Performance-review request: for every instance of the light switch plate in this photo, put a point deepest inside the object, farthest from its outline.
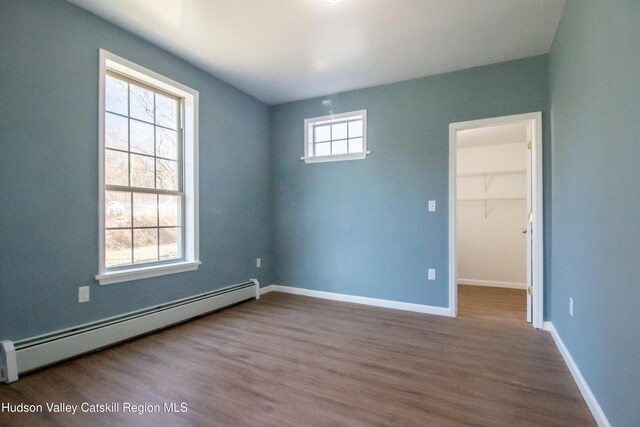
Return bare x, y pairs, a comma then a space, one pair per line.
431, 274
432, 205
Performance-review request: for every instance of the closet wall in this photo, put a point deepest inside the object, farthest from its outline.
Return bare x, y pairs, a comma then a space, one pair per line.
491, 214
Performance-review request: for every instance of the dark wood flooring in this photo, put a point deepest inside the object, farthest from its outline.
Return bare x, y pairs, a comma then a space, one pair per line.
289, 360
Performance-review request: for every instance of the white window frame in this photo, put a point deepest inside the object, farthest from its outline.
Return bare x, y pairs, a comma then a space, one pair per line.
190, 260
309, 124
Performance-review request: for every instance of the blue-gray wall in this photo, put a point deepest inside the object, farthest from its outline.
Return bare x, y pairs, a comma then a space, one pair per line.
595, 104
49, 172
362, 227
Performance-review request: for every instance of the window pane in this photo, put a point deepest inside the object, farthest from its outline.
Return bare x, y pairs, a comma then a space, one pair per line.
167, 174
116, 133
117, 247
166, 143
170, 243
142, 137
116, 168
355, 145
339, 147
355, 129
117, 209
166, 111
339, 131
145, 245
323, 149
141, 103
323, 133
142, 173
116, 96
145, 210
169, 210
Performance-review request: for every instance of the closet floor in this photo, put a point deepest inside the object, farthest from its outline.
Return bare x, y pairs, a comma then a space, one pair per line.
496, 304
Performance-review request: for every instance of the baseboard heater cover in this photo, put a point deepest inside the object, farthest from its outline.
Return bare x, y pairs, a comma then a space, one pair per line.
36, 352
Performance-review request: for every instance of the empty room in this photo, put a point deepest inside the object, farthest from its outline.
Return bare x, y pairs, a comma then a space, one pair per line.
319, 212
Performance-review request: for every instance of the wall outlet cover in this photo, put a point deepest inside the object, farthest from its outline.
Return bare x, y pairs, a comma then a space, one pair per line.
83, 294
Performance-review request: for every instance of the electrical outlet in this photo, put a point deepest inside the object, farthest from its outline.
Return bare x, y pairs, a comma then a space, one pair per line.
83, 294
432, 205
258, 263
570, 306
431, 274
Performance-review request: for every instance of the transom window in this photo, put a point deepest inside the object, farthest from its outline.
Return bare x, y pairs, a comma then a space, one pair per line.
148, 219
336, 137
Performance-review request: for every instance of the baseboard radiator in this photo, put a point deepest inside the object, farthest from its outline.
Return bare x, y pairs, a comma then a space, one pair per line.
36, 352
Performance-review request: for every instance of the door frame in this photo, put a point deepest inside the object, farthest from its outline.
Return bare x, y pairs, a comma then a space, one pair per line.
537, 237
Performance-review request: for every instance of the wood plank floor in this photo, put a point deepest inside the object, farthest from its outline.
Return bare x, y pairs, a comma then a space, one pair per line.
289, 360
497, 304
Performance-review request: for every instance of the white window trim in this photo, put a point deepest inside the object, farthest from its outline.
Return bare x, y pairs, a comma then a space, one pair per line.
335, 157
191, 259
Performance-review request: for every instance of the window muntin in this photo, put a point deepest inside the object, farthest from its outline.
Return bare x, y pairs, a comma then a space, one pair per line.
143, 180
336, 137
148, 181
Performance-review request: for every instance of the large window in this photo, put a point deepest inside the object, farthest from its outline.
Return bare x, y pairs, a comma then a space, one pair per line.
336, 137
148, 218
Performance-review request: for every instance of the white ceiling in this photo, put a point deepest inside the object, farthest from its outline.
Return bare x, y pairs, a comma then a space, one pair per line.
492, 135
285, 50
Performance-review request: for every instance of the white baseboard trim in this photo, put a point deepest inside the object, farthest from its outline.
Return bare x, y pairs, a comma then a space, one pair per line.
398, 305
266, 289
491, 283
587, 394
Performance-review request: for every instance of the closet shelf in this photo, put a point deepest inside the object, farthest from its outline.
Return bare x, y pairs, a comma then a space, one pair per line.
505, 172
488, 199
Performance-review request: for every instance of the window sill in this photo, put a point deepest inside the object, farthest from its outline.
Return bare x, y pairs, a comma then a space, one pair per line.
146, 272
337, 158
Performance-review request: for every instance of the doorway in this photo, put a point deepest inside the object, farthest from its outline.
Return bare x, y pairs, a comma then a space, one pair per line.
495, 213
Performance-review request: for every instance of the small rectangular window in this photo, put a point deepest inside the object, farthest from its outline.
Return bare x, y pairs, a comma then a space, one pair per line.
336, 137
